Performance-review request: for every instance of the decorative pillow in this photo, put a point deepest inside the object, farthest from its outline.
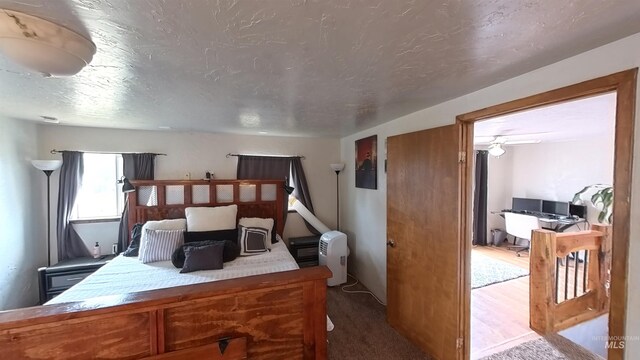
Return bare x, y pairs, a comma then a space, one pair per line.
134, 245
169, 224
230, 234
160, 244
231, 251
203, 257
211, 218
253, 240
265, 223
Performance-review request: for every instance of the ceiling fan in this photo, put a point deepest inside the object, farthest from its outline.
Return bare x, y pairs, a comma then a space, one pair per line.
503, 140
497, 142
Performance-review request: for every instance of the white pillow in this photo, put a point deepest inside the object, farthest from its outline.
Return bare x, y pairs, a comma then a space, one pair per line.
265, 223
160, 245
168, 224
253, 240
211, 218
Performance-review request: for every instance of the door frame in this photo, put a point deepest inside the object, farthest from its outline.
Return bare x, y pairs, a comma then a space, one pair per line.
624, 83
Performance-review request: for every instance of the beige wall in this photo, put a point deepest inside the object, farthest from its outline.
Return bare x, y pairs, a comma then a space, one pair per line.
364, 213
22, 210
198, 152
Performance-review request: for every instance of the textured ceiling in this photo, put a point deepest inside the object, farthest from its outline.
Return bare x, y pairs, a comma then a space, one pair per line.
296, 67
587, 118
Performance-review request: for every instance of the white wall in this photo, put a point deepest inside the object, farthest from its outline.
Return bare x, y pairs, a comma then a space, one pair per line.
22, 207
499, 189
100, 232
198, 152
556, 171
364, 212
549, 171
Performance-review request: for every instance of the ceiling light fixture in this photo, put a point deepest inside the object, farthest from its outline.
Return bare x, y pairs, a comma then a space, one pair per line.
50, 119
43, 46
496, 150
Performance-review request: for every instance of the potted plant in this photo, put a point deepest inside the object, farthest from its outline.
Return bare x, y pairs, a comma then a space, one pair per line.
602, 195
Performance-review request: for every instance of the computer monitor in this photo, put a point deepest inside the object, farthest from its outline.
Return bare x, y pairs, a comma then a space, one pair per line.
578, 210
524, 204
555, 207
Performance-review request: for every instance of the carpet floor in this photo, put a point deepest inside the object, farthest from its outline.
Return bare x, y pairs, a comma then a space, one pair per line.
552, 347
361, 330
486, 271
362, 333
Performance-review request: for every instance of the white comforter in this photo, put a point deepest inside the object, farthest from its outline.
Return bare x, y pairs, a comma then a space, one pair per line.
124, 275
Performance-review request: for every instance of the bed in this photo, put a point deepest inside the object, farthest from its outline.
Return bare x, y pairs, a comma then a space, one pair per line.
260, 308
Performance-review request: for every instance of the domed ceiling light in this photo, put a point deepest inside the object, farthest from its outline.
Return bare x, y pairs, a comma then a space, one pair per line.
43, 46
496, 150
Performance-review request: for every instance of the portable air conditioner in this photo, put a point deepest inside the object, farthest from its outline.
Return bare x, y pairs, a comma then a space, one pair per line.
333, 253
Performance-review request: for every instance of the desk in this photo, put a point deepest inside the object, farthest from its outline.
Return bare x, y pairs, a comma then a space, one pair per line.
548, 222
559, 225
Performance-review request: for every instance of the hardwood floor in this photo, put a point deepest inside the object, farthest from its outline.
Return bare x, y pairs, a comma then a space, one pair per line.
500, 312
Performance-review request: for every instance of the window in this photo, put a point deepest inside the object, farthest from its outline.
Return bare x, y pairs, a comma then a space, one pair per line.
100, 195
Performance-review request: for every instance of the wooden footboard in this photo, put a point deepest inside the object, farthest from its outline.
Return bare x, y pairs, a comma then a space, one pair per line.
272, 316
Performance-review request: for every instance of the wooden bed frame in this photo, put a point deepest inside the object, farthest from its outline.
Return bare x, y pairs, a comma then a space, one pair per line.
272, 316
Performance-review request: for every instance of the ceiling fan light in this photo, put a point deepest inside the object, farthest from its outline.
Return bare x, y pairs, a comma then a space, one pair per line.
43, 46
496, 150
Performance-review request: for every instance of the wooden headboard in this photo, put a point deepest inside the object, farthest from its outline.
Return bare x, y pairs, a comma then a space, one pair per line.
167, 199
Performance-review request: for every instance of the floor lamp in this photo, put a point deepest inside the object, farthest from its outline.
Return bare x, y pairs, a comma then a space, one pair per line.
48, 167
337, 168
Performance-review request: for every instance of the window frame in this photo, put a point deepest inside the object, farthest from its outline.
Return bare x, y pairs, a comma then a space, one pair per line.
118, 170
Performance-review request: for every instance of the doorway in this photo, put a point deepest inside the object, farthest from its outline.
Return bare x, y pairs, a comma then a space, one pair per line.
624, 84
528, 167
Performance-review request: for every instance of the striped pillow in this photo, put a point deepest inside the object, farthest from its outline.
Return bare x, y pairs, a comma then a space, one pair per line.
253, 240
160, 244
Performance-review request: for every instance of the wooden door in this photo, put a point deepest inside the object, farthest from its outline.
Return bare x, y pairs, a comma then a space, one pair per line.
424, 280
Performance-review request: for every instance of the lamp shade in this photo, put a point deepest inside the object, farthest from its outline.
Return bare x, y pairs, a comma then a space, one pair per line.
43, 46
337, 166
288, 189
127, 187
47, 165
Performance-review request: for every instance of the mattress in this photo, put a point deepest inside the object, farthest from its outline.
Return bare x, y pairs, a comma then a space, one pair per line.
124, 275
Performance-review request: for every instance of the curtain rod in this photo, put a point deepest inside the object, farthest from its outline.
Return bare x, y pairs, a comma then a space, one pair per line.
54, 151
292, 156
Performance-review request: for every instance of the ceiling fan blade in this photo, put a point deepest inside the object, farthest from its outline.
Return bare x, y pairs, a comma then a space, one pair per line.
522, 142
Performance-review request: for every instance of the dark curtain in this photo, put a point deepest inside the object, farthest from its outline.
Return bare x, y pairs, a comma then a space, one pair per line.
69, 243
480, 199
138, 166
134, 167
265, 168
301, 189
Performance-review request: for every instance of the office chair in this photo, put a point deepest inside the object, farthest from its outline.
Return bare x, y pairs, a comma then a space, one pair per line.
520, 226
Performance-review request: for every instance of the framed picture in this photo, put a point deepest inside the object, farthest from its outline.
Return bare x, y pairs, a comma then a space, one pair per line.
367, 162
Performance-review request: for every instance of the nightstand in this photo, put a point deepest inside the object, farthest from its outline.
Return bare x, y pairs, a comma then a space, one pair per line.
57, 278
305, 250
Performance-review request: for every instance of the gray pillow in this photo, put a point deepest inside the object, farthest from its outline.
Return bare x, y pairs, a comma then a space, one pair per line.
207, 257
230, 253
134, 246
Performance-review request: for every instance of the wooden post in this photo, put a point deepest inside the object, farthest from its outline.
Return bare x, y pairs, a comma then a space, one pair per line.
604, 257
542, 292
